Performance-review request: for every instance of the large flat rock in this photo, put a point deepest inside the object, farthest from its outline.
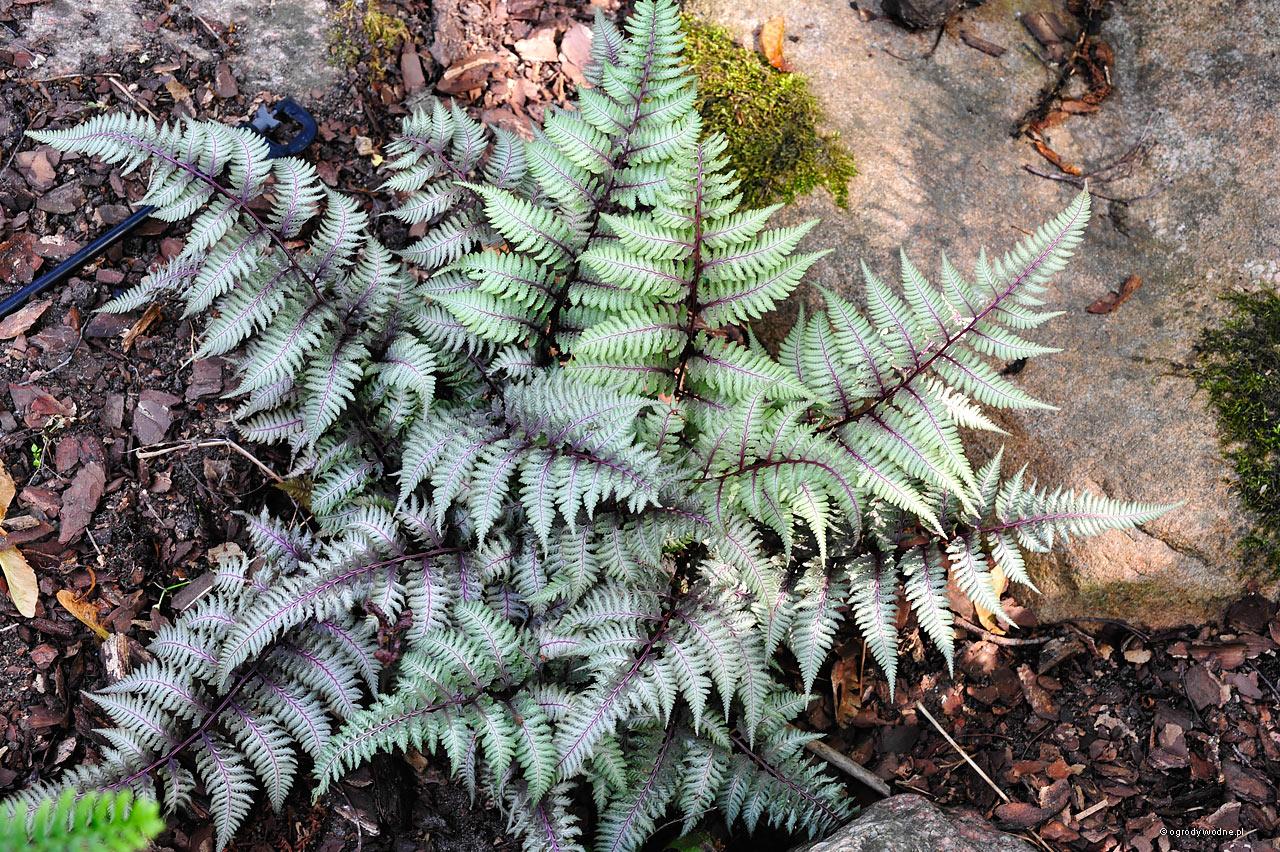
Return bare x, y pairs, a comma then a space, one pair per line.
942, 170
282, 45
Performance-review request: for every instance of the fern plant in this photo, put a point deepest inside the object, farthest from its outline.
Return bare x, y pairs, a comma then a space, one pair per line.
573, 514
94, 822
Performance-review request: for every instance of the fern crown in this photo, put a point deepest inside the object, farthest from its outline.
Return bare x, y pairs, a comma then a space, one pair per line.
560, 490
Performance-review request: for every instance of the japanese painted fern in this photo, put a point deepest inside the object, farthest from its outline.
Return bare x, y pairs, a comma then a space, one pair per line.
592, 511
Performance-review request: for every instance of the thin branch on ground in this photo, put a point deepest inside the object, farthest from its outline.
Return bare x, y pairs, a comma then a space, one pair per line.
1006, 641
955, 745
848, 766
120, 87
184, 446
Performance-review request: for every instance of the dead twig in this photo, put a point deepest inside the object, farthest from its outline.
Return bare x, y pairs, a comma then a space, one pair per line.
955, 745
1080, 182
1114, 622
848, 766
1006, 641
210, 30
1108, 171
119, 87
184, 446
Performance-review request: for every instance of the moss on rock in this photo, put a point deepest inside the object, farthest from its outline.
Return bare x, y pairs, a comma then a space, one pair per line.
769, 117
1238, 365
361, 27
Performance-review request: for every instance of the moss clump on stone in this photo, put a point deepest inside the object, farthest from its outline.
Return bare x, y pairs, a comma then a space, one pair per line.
360, 27
1238, 366
769, 117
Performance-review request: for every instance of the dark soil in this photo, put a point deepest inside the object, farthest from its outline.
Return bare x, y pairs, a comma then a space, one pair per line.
1162, 740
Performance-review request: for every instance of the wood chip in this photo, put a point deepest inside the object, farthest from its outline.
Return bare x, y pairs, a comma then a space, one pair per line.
80, 501
978, 43
149, 316
19, 321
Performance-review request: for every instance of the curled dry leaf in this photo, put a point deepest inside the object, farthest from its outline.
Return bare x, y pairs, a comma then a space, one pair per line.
85, 612
1116, 298
7, 491
772, 35
846, 688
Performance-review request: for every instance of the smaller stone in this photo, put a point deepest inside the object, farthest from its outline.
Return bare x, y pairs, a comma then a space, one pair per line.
110, 277
56, 343
171, 247
81, 500
67, 198
113, 411
42, 499
507, 120
67, 454
108, 325
114, 214
1203, 689
224, 82
540, 46
206, 379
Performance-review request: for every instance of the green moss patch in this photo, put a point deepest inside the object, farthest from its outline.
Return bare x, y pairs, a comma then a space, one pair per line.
769, 117
1239, 367
361, 28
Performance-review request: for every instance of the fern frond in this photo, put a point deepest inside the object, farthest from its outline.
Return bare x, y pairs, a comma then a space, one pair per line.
94, 821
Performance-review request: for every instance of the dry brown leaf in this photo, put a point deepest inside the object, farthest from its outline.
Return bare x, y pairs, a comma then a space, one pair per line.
176, 90
366, 148
1116, 298
988, 619
772, 35
84, 611
846, 688
1056, 158
21, 579
17, 573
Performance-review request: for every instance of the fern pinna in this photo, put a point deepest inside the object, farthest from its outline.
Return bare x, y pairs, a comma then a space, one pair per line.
547, 450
